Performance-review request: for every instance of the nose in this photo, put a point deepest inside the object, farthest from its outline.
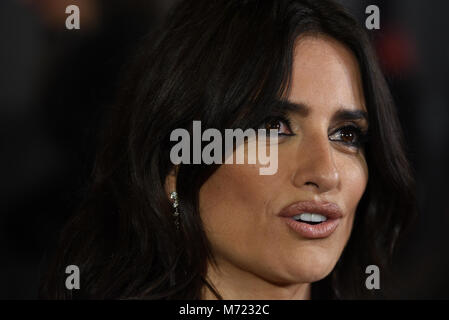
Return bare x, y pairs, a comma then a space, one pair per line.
315, 167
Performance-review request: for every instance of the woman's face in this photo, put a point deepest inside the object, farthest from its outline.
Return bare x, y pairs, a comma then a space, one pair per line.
241, 209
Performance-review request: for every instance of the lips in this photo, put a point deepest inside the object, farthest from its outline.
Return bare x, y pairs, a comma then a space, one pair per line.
330, 211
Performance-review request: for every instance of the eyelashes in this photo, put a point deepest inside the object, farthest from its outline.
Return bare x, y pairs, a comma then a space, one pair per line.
279, 123
350, 135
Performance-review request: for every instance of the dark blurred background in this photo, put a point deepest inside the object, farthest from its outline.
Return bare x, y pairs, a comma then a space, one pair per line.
55, 84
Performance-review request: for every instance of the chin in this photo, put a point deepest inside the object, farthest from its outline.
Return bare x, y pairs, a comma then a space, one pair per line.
310, 266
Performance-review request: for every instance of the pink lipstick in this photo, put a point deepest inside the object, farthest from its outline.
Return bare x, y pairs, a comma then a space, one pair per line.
312, 220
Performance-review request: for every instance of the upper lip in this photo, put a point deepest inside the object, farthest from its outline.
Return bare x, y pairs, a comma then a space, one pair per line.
328, 209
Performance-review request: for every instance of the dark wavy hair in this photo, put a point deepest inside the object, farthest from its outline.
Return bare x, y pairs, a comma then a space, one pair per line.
221, 62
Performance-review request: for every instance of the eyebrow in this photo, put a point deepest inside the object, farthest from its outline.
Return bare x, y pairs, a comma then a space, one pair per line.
342, 114
288, 106
345, 114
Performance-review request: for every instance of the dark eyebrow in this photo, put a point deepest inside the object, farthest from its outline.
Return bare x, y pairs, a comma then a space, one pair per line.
288, 106
349, 115
343, 114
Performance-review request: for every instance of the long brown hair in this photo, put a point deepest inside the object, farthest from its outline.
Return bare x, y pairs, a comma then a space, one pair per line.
220, 62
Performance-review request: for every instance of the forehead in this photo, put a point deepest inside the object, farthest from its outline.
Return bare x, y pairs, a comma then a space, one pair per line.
325, 75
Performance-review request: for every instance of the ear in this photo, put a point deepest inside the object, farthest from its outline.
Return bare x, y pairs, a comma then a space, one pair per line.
170, 180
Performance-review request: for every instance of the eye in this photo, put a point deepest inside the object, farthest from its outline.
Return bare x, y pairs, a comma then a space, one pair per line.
282, 126
349, 135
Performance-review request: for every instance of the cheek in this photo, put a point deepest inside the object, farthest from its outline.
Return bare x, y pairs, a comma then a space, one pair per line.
228, 182
354, 176
232, 202
357, 177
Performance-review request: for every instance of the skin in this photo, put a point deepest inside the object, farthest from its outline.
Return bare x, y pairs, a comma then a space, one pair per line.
258, 256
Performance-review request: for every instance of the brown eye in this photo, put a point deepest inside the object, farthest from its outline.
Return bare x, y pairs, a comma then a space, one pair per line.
280, 125
348, 135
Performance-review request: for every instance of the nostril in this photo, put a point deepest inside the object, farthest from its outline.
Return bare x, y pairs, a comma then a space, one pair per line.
309, 183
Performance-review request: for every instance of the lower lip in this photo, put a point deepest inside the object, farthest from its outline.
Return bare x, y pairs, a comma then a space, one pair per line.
317, 231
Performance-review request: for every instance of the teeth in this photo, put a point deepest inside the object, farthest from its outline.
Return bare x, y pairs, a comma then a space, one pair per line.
310, 217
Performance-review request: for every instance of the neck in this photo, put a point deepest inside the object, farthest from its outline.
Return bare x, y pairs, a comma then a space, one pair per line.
237, 284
